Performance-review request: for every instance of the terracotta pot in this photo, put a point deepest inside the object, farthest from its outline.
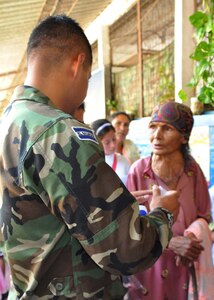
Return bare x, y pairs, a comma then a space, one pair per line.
196, 106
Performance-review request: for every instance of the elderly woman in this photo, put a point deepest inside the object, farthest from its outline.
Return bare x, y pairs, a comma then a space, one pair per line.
171, 166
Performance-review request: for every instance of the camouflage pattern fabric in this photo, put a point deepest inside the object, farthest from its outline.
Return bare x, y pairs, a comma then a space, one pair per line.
70, 227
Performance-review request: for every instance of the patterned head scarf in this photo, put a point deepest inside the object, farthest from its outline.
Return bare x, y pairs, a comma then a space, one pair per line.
176, 114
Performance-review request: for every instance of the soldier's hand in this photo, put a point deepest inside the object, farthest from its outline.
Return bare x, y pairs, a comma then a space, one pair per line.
169, 201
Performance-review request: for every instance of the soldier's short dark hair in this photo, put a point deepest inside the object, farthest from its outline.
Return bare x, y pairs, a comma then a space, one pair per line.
82, 106
62, 34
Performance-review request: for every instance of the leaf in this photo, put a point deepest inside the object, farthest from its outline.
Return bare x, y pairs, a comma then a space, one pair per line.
201, 67
202, 51
193, 82
182, 95
198, 19
205, 75
210, 81
209, 24
205, 95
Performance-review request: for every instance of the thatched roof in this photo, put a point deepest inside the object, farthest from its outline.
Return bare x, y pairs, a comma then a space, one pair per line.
18, 18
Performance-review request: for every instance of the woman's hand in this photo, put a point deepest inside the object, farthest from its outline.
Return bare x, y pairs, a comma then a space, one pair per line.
142, 196
188, 248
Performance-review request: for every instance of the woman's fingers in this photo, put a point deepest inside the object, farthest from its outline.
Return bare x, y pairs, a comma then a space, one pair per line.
142, 196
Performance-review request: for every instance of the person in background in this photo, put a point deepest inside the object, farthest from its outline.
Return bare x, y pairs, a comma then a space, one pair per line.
79, 112
70, 226
171, 166
121, 120
106, 133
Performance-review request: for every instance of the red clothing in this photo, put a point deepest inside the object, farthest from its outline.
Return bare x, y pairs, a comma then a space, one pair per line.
166, 281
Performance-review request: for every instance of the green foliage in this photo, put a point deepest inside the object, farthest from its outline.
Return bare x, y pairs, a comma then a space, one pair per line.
182, 95
203, 55
111, 104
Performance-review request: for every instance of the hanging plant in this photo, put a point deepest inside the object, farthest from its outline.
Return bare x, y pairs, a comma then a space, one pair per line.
203, 55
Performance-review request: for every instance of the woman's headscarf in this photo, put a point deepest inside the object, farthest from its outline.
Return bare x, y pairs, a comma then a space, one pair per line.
176, 114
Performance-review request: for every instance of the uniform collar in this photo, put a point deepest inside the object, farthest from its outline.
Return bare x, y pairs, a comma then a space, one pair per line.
25, 92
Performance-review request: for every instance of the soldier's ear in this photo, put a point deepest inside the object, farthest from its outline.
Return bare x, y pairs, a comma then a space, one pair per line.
78, 63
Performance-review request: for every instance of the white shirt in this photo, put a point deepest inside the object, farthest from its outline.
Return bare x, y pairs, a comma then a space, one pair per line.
122, 165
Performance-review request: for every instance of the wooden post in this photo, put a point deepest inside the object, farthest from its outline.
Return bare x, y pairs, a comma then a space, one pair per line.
184, 46
140, 59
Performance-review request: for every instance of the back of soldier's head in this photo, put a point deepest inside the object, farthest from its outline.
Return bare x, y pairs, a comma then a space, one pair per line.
57, 37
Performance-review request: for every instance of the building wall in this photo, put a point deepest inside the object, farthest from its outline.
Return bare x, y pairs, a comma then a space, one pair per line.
158, 82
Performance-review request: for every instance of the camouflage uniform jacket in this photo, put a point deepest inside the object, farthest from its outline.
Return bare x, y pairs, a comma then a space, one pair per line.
70, 227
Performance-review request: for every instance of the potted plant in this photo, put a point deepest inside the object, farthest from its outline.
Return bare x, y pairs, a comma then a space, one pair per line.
112, 106
203, 54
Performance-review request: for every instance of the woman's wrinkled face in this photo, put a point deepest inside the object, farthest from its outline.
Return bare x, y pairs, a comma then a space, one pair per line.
165, 139
109, 142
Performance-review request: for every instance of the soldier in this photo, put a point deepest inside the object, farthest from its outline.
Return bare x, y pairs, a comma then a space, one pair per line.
79, 112
70, 227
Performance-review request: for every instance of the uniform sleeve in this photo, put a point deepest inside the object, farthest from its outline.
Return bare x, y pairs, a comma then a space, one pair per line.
69, 173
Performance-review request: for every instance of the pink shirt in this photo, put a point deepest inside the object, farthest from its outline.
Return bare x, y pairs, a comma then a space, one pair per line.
194, 202
194, 196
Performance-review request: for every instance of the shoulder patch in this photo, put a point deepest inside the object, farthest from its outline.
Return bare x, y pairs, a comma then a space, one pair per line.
85, 134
